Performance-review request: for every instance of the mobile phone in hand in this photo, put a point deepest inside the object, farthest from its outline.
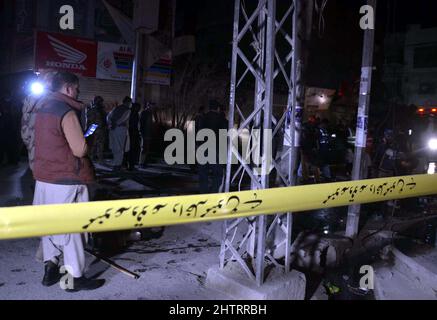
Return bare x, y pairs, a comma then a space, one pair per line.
91, 130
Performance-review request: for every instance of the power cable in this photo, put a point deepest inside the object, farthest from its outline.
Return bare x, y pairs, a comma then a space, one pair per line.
320, 9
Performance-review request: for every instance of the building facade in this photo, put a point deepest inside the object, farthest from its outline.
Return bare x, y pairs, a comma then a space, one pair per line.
21, 19
410, 68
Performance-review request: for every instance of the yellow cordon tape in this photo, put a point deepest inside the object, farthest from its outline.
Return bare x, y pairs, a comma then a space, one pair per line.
35, 221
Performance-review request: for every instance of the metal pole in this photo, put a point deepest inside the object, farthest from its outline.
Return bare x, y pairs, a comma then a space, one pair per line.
268, 109
296, 103
136, 67
231, 121
113, 264
260, 89
253, 247
298, 93
353, 217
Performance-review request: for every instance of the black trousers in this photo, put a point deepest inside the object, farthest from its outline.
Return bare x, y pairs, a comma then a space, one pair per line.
213, 172
134, 152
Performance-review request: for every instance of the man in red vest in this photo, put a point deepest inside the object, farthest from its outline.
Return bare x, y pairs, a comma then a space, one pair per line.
62, 171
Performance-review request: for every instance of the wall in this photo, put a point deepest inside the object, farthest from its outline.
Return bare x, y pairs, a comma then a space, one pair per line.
408, 79
112, 91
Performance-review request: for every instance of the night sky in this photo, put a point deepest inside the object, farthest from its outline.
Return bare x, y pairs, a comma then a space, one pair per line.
336, 49
336, 54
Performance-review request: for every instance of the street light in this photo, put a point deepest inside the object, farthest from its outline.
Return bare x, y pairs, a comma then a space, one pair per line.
323, 99
37, 88
432, 144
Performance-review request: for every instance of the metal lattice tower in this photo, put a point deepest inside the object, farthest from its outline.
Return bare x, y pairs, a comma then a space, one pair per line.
267, 45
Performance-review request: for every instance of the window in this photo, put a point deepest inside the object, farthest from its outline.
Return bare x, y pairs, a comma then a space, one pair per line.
425, 57
427, 88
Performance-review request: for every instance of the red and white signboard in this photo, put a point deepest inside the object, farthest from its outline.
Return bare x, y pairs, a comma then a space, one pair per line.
114, 62
60, 52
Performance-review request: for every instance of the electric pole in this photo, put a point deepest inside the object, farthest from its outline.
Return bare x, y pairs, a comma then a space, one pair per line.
353, 217
255, 243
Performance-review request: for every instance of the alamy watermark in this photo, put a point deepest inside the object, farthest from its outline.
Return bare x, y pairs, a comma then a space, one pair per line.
367, 22
67, 280
208, 147
67, 20
367, 281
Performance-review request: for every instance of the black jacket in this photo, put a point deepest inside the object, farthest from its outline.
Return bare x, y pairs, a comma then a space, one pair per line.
213, 121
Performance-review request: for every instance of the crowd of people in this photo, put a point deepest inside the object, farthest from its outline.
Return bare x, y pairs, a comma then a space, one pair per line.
60, 155
328, 148
323, 146
127, 128
125, 131
63, 137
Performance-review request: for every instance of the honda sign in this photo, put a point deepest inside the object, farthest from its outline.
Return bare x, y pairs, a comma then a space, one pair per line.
59, 52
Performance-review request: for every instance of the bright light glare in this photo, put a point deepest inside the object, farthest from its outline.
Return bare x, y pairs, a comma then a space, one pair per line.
37, 88
323, 99
432, 168
432, 144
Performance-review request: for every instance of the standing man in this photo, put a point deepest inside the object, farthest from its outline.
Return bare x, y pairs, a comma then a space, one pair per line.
118, 125
384, 161
96, 115
198, 123
134, 137
146, 123
324, 149
31, 105
62, 171
214, 121
198, 119
284, 149
30, 108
